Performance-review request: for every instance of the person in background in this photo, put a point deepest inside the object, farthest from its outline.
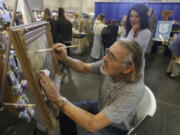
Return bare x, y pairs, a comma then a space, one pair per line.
152, 26
173, 69
97, 51
137, 27
63, 29
122, 26
17, 19
75, 21
109, 34
114, 26
86, 26
48, 17
120, 92
88, 29
63, 32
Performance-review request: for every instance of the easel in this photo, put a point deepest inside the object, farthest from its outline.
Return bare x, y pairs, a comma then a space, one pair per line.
28, 18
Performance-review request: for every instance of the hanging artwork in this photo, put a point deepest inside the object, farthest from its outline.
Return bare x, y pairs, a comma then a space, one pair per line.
26, 40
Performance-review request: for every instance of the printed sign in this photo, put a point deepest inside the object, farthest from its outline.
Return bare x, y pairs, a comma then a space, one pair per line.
163, 30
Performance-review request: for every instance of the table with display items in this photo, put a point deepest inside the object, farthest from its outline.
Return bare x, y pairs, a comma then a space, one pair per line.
81, 41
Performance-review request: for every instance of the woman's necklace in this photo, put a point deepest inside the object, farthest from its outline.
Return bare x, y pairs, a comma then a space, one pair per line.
136, 34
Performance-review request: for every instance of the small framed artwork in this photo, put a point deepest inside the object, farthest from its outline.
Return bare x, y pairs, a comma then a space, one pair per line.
163, 30
26, 40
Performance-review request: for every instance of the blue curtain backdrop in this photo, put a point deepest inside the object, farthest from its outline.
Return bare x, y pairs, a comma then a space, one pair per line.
116, 10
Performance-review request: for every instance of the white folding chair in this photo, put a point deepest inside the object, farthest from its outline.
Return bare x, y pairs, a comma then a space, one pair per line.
145, 110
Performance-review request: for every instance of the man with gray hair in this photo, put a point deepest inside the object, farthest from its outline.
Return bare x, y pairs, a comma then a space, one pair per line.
120, 93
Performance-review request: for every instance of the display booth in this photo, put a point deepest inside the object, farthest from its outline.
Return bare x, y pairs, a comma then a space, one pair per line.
116, 10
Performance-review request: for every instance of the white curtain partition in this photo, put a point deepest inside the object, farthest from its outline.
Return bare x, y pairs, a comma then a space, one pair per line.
25, 12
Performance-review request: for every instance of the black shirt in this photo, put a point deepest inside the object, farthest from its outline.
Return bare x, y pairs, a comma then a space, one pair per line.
63, 30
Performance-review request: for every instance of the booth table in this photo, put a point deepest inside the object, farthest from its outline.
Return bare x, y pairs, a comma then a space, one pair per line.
82, 42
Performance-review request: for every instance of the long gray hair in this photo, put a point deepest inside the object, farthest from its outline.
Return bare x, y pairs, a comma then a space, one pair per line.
134, 58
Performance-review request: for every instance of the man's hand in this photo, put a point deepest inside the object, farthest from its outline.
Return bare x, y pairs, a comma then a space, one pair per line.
49, 87
89, 121
59, 52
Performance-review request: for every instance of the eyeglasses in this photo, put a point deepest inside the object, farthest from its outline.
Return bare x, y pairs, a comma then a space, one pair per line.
111, 56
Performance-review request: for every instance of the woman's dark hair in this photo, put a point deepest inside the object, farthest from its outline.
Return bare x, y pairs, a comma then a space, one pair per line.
141, 9
61, 15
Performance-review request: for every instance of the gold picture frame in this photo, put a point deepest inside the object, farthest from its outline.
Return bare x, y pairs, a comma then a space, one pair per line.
26, 39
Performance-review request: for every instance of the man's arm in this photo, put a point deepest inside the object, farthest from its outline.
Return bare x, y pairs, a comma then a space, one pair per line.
78, 65
90, 122
60, 53
87, 120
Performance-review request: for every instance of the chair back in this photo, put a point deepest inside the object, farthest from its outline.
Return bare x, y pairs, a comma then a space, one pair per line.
145, 110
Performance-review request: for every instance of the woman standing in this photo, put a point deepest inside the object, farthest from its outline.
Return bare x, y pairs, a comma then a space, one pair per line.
137, 27
97, 51
48, 17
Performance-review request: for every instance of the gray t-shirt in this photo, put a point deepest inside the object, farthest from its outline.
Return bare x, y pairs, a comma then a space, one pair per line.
118, 101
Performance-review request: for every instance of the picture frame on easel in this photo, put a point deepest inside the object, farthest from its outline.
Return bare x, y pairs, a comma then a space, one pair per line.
26, 39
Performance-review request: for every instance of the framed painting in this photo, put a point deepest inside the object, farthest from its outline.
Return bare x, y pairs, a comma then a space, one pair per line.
26, 40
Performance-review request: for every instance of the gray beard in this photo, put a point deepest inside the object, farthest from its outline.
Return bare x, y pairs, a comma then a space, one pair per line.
103, 72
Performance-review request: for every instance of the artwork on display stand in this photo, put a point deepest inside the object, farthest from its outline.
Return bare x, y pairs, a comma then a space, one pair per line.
163, 30
27, 39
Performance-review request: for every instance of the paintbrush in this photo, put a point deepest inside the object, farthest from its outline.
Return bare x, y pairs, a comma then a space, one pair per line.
14, 104
50, 49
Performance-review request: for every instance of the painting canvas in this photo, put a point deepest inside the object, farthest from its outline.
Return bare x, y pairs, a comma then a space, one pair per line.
26, 40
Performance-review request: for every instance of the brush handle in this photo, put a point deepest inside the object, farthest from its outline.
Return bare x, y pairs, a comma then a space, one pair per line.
14, 104
50, 49
44, 50
72, 46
